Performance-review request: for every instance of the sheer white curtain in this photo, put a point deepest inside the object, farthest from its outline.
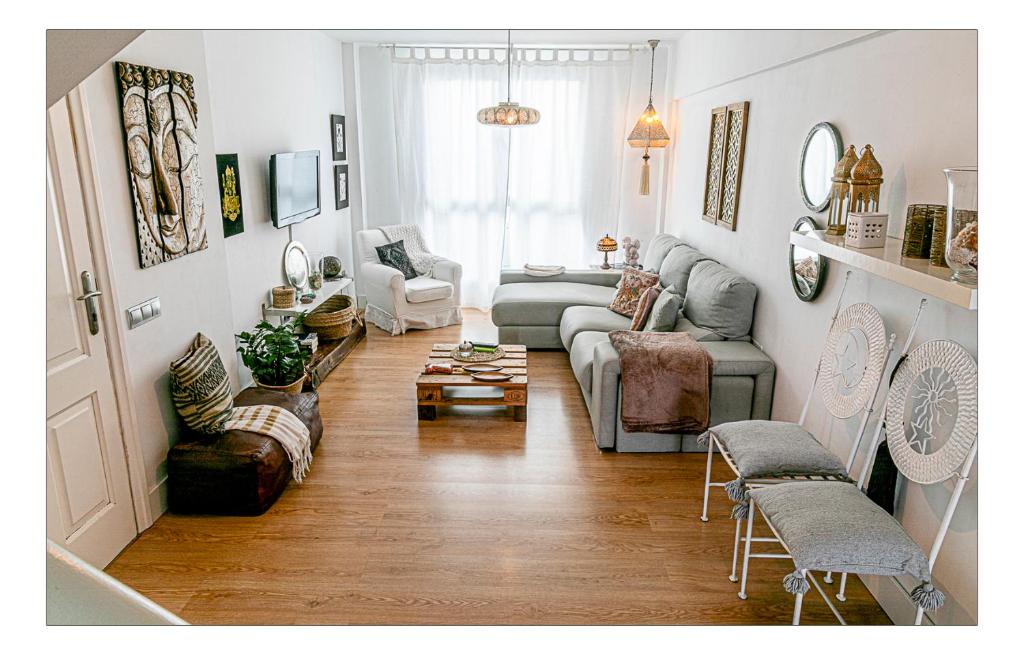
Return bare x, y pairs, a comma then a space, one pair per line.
562, 175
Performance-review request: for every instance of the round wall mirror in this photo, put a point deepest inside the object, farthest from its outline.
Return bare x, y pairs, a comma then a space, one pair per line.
296, 265
822, 149
807, 269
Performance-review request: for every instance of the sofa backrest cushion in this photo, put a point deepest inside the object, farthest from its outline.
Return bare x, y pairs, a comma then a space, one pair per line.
675, 270
665, 311
656, 251
684, 324
719, 300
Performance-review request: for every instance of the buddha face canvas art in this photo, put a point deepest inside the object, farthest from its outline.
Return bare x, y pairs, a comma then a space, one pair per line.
160, 118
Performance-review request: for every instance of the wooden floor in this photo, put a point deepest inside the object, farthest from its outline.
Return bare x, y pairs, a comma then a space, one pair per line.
469, 519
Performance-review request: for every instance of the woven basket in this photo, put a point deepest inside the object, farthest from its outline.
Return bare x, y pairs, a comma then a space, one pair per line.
282, 297
334, 318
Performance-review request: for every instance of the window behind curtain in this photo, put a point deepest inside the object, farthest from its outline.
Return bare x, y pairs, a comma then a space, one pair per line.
562, 174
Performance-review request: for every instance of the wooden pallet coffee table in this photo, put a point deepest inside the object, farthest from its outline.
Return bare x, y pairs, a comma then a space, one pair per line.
433, 391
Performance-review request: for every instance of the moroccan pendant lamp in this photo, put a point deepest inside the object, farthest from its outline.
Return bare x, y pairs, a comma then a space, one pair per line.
508, 113
649, 132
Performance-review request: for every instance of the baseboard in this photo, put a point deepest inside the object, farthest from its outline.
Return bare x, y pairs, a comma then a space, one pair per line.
157, 500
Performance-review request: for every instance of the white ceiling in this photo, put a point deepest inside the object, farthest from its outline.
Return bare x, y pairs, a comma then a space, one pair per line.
497, 37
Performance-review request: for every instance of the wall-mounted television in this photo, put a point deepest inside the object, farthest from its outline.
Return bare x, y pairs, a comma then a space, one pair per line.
294, 186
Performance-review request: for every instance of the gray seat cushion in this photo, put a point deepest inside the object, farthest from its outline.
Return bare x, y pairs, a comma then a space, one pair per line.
659, 247
581, 357
832, 526
675, 270
581, 318
720, 300
775, 448
542, 303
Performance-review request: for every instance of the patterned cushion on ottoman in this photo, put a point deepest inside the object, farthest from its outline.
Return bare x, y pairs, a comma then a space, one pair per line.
634, 283
200, 387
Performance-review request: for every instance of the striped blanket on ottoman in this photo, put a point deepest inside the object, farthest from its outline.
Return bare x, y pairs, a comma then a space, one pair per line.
282, 426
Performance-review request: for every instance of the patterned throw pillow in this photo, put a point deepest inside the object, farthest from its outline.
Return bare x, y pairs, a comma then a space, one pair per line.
643, 308
634, 283
200, 387
394, 255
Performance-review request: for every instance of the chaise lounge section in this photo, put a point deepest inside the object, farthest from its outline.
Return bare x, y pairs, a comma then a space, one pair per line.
570, 311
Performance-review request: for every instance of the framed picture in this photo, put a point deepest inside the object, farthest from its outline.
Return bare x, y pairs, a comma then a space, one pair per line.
230, 194
338, 137
726, 143
340, 186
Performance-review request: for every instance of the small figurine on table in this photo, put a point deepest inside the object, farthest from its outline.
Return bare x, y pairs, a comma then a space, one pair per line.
632, 249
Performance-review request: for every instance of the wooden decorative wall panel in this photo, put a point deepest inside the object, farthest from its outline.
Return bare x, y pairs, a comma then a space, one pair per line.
726, 142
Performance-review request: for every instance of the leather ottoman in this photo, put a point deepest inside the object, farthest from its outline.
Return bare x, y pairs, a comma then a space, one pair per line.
238, 472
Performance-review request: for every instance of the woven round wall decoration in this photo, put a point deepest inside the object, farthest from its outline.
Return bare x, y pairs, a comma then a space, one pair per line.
931, 415
852, 360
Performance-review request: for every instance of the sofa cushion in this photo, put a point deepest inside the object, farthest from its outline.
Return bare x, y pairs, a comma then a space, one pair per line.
425, 289
643, 308
634, 283
665, 311
580, 318
833, 526
684, 324
771, 449
719, 300
581, 357
542, 303
675, 270
660, 246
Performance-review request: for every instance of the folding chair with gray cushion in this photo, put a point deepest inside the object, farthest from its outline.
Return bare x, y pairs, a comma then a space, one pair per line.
848, 377
931, 424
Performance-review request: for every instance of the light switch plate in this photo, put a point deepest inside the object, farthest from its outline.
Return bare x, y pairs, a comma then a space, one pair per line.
142, 313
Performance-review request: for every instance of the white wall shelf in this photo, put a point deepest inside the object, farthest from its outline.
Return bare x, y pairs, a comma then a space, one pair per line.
330, 288
889, 264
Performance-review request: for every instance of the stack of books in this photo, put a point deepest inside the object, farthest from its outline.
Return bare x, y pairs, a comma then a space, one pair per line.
484, 346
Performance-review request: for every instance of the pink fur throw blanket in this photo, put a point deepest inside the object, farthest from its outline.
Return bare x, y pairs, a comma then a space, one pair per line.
666, 382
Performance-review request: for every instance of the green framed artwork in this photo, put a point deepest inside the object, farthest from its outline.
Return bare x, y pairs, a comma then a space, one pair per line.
230, 194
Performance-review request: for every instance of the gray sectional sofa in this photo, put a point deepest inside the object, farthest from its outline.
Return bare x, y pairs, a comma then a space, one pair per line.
570, 311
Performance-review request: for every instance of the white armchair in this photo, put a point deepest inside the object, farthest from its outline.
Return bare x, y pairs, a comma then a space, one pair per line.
395, 304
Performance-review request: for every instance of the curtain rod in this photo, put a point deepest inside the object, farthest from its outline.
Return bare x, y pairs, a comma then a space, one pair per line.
539, 46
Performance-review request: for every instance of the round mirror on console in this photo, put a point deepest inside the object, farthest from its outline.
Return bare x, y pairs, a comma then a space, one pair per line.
806, 269
296, 265
822, 149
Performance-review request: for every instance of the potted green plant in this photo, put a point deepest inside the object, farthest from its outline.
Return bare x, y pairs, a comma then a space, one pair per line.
273, 355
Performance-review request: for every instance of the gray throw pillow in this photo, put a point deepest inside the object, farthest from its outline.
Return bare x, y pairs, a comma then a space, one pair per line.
394, 255
663, 314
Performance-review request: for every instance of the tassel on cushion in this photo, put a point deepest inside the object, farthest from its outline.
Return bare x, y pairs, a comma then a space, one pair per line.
740, 511
704, 439
927, 597
737, 490
795, 583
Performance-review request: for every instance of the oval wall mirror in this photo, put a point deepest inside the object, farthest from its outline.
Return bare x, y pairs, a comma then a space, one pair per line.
806, 269
296, 265
822, 149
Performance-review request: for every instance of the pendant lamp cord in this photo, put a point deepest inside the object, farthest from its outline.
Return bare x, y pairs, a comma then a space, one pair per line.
510, 67
650, 92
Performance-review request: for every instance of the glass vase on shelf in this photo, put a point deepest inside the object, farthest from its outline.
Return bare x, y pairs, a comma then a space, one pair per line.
962, 223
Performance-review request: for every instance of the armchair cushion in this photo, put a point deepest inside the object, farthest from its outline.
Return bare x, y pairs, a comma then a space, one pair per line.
425, 289
394, 255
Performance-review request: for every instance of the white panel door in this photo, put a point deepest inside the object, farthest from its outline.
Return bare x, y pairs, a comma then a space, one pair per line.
88, 499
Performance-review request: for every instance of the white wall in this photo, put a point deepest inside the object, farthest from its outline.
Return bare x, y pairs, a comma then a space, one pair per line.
273, 91
259, 92
913, 96
193, 291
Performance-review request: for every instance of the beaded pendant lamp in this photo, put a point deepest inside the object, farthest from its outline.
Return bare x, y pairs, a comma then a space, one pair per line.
649, 132
508, 113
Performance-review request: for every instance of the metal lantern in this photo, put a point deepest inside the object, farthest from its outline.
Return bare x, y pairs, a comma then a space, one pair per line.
839, 207
508, 113
865, 183
649, 132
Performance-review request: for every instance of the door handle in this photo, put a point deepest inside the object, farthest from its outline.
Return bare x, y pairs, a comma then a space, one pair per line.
89, 295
